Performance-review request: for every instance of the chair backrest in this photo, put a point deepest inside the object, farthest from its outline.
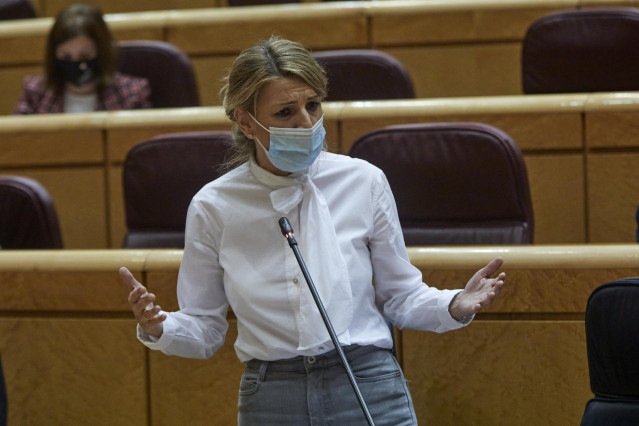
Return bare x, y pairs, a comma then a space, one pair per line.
167, 68
454, 183
16, 9
28, 218
364, 74
160, 177
589, 50
612, 340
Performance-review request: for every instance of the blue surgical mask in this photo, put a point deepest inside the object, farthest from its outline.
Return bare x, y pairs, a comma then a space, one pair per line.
294, 149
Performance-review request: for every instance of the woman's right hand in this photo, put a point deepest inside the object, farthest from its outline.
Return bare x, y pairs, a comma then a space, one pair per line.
141, 302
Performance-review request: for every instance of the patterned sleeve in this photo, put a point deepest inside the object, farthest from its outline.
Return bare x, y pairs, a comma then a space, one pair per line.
128, 92
31, 93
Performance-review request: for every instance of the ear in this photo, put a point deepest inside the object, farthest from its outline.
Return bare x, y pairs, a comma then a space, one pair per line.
245, 123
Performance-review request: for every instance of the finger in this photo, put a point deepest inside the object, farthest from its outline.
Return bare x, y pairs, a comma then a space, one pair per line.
150, 313
129, 279
137, 294
492, 267
157, 319
145, 303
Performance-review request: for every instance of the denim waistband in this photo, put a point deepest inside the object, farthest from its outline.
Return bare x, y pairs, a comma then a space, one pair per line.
302, 363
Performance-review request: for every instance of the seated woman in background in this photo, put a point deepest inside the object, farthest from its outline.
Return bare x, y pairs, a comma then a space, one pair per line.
79, 73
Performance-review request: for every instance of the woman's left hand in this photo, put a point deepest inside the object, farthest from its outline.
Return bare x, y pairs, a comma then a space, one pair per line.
480, 291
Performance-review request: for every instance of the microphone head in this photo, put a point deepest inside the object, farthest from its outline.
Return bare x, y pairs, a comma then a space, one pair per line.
285, 226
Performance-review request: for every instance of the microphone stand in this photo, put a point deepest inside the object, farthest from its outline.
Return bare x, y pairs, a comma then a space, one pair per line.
287, 231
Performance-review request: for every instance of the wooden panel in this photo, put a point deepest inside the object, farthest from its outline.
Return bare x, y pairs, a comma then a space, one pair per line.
164, 286
73, 371
499, 373
124, 6
202, 392
51, 140
526, 290
462, 70
11, 85
29, 147
120, 141
80, 200
608, 3
62, 291
321, 26
557, 188
531, 338
23, 42
209, 72
139, 34
38, 5
126, 129
117, 218
612, 129
530, 131
394, 24
611, 120
613, 196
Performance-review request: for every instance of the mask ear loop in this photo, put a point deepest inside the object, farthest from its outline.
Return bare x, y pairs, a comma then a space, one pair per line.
254, 137
260, 124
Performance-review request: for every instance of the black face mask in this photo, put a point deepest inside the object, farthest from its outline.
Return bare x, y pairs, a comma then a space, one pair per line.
78, 73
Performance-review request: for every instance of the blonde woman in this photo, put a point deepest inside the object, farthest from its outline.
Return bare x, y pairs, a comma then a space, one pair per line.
349, 234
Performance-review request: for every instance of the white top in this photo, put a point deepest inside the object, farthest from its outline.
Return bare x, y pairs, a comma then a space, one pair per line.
235, 254
80, 103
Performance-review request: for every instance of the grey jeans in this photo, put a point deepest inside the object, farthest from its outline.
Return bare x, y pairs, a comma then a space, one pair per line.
316, 391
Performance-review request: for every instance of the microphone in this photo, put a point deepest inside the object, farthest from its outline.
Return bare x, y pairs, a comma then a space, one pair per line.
287, 231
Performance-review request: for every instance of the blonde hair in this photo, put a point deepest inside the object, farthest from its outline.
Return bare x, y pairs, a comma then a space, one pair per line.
268, 60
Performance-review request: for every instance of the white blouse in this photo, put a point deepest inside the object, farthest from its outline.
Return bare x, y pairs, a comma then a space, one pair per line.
79, 103
235, 255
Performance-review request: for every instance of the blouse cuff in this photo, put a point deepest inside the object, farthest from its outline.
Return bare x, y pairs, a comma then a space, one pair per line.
155, 343
447, 320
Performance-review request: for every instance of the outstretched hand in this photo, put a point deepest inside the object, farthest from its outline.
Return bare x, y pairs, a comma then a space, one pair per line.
141, 303
480, 291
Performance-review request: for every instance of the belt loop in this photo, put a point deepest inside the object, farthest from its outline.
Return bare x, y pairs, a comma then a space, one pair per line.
263, 370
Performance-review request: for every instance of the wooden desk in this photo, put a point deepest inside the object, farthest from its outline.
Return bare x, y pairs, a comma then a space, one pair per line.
452, 48
70, 354
581, 152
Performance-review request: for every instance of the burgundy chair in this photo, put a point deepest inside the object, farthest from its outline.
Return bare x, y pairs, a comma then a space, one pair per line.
453, 183
167, 68
589, 50
160, 177
364, 74
16, 9
612, 330
28, 218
